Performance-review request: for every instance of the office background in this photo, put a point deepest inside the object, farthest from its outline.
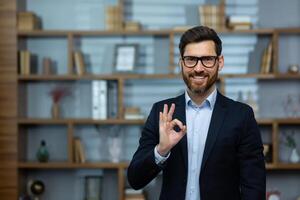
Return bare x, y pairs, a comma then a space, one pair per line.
69, 26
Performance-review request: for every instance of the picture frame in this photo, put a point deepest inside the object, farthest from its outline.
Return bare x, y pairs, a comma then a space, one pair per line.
125, 57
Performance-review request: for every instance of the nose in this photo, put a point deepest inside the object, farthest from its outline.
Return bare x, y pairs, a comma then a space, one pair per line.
199, 67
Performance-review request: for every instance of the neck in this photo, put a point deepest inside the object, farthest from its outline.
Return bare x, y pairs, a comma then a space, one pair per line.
198, 98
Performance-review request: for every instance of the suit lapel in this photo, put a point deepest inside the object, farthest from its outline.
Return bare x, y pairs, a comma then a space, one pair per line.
180, 115
214, 127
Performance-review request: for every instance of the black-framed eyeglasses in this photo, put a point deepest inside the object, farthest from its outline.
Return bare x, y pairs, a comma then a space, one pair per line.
192, 61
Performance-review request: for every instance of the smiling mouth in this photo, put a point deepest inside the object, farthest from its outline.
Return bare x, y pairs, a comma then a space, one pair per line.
198, 78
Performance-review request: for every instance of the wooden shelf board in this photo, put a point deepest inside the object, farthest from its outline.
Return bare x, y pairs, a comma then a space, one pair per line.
145, 76
288, 121
263, 76
65, 33
65, 165
287, 166
36, 121
60, 33
66, 77
110, 165
163, 32
108, 121
267, 31
287, 76
265, 121
289, 30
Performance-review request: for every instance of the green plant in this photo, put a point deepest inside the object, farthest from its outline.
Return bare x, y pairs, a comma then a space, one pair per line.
290, 141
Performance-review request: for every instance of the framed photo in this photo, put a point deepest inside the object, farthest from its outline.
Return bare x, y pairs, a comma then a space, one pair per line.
125, 57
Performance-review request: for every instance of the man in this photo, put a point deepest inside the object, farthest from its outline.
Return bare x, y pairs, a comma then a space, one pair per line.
208, 146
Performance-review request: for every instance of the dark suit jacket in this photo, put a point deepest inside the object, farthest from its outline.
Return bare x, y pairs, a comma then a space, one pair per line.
233, 165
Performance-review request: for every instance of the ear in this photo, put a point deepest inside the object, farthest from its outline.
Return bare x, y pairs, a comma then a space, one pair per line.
221, 62
180, 63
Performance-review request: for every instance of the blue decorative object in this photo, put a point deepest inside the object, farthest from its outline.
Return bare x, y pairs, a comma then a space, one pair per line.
42, 153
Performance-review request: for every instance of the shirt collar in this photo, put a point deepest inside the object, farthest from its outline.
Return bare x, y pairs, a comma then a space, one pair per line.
210, 100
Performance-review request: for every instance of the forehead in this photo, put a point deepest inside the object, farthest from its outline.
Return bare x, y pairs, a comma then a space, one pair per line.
200, 48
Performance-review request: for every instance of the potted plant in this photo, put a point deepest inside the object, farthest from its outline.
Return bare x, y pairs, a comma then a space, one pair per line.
57, 94
291, 143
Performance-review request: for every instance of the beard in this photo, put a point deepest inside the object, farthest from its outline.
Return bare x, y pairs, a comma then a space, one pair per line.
196, 89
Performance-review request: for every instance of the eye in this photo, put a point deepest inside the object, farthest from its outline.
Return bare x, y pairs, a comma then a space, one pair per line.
208, 58
190, 58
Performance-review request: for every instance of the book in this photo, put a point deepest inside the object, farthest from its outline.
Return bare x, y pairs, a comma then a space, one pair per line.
47, 66
114, 18
27, 62
266, 61
79, 63
99, 99
79, 153
112, 100
212, 15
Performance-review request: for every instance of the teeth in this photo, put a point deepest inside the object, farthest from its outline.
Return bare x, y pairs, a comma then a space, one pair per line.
199, 77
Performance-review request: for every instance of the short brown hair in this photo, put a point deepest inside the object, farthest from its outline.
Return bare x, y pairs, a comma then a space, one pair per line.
199, 34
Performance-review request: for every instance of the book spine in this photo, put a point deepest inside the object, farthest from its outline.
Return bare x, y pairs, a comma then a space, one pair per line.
99, 99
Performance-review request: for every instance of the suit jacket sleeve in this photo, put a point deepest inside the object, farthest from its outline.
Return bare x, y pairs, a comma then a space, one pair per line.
143, 168
251, 161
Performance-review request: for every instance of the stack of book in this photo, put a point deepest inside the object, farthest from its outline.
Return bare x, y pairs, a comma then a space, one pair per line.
28, 21
27, 62
212, 16
239, 22
114, 18
133, 113
79, 154
79, 63
266, 61
131, 194
132, 26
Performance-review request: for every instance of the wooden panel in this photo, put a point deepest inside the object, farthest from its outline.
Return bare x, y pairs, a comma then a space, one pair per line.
8, 32
8, 100
8, 178
8, 144
8, 127
7, 5
8, 193
8, 160
8, 78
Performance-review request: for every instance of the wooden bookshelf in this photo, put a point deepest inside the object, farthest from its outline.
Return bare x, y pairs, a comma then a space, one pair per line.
11, 77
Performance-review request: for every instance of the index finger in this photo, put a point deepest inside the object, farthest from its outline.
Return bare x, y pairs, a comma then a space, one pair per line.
171, 111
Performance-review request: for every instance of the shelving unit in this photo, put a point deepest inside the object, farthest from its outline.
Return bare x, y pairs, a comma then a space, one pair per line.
273, 123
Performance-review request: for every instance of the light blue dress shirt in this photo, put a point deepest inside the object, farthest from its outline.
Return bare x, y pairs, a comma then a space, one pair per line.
197, 120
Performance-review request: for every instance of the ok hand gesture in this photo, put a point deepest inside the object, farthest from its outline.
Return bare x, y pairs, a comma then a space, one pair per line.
168, 137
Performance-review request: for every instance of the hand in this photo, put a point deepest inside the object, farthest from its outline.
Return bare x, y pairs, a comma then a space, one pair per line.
168, 137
